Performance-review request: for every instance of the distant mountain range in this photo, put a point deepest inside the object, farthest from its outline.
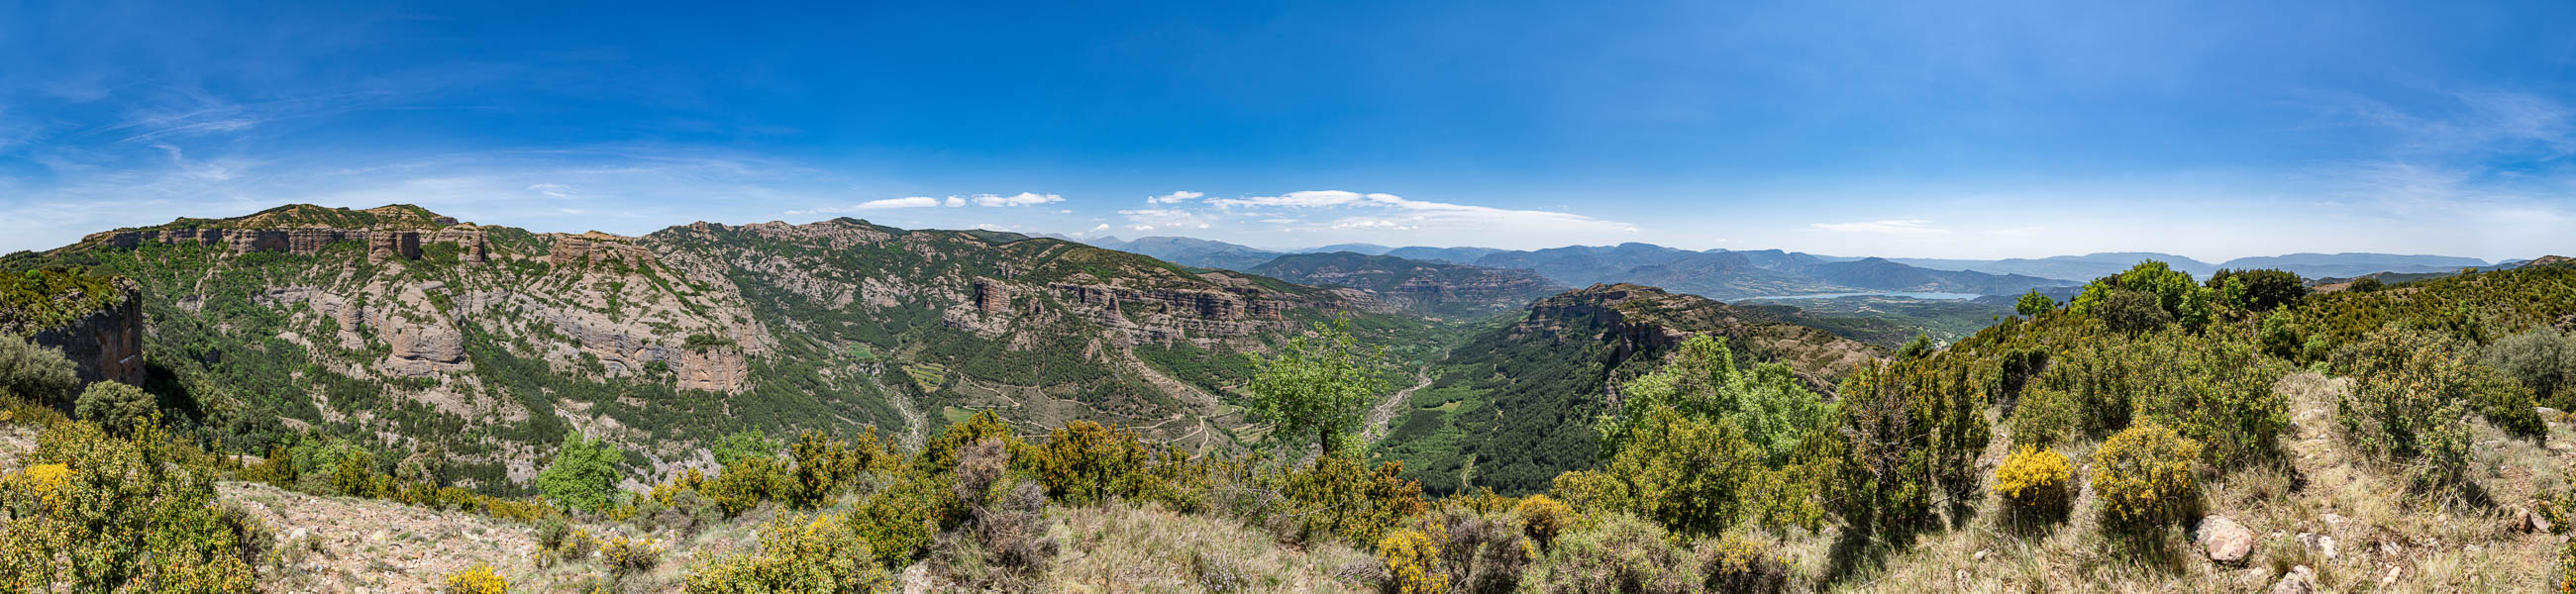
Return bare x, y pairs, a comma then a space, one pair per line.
1429, 287
1733, 274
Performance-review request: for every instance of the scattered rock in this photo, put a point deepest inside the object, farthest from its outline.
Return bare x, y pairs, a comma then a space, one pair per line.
2300, 580
2525, 520
2334, 520
2322, 543
1981, 555
2224, 540
2390, 549
2391, 578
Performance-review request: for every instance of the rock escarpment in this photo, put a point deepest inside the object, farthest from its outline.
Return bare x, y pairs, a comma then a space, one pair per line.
107, 343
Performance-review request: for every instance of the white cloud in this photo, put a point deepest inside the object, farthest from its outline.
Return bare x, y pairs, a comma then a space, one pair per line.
1175, 197
553, 190
1168, 218
1886, 227
1020, 199
992, 227
954, 201
908, 202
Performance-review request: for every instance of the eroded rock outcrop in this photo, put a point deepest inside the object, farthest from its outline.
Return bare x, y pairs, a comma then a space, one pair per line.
107, 344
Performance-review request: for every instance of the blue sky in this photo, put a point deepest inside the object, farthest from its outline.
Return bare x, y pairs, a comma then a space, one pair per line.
1966, 129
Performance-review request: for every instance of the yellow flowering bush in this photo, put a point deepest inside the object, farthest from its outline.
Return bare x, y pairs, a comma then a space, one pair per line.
797, 555
479, 580
2037, 482
1543, 517
1411, 557
2143, 476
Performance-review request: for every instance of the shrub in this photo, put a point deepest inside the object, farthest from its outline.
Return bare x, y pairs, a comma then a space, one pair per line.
1911, 428
481, 579
2411, 393
2036, 482
742, 445
96, 513
2257, 290
583, 474
2045, 417
1736, 565
1483, 554
2543, 359
1542, 518
1084, 462
117, 407
2132, 312
2171, 292
1620, 553
1697, 476
1412, 562
1340, 497
2032, 304
355, 475
2143, 477
824, 466
797, 555
629, 556
36, 373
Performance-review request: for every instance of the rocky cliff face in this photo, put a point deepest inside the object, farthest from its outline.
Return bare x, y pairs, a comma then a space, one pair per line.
107, 344
382, 244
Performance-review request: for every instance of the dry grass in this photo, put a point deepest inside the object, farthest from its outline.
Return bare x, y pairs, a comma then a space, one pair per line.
1146, 549
2432, 542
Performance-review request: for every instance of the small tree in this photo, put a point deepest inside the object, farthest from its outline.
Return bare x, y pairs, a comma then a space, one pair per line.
2032, 304
36, 373
1317, 386
583, 474
115, 406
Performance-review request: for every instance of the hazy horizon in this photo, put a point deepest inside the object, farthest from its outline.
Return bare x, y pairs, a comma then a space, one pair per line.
1975, 131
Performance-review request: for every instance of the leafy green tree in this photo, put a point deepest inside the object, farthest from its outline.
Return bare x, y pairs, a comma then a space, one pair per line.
1770, 406
2132, 312
1917, 348
36, 373
2184, 301
1317, 386
2032, 304
2543, 359
2257, 290
584, 473
118, 407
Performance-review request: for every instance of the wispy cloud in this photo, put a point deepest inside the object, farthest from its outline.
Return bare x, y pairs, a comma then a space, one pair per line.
889, 203
1020, 199
1175, 197
552, 190
1886, 227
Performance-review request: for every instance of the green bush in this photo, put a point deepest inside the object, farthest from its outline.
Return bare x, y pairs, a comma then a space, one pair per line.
1698, 476
2045, 417
2412, 391
1084, 462
747, 482
583, 474
2143, 477
1340, 497
1909, 429
2543, 359
1620, 553
36, 373
115, 406
96, 513
797, 555
2257, 290
2172, 294
2132, 312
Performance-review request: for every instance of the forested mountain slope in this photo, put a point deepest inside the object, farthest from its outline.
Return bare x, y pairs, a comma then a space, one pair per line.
492, 343
1419, 286
1513, 406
